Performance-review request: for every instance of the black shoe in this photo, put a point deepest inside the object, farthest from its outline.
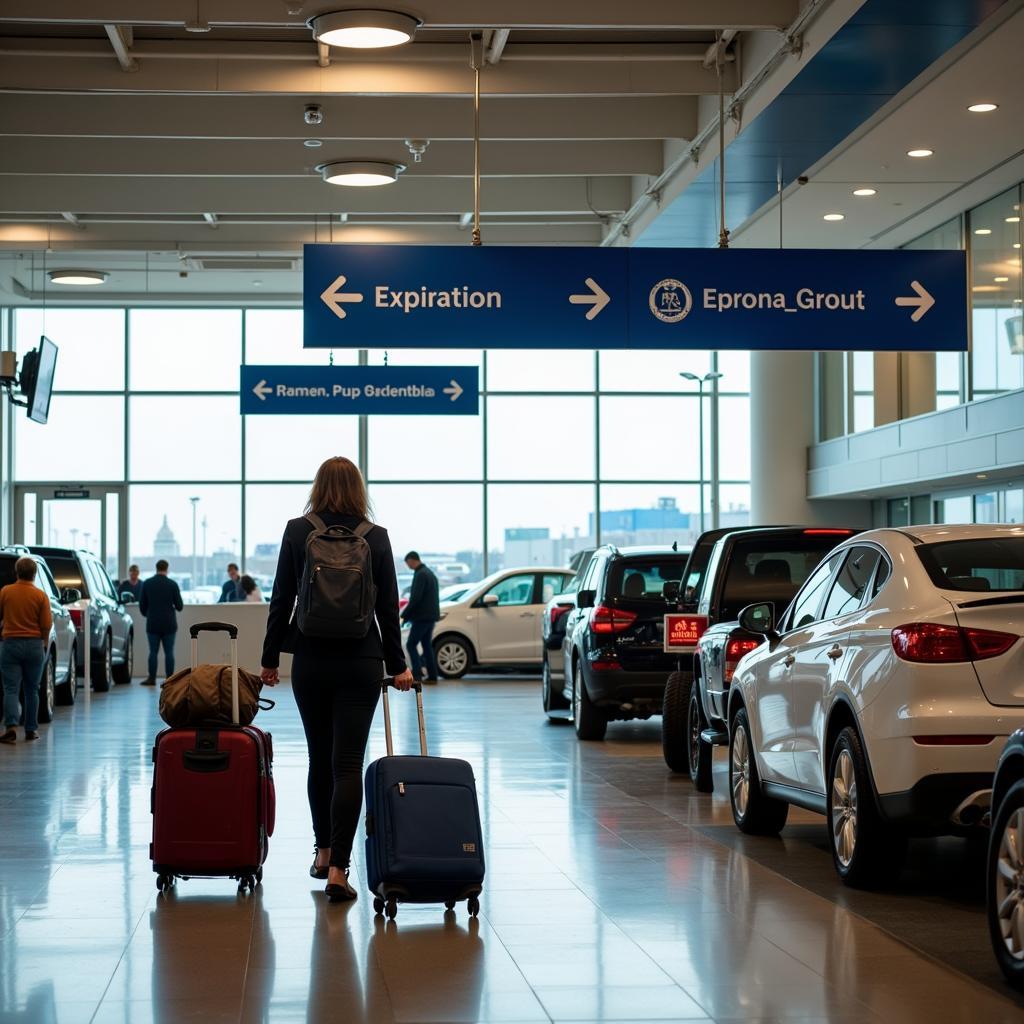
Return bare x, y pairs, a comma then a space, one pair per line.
10, 736
314, 871
148, 681
31, 735
340, 893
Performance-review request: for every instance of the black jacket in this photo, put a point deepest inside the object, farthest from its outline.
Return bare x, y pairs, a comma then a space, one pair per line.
423, 605
160, 599
127, 587
230, 591
384, 641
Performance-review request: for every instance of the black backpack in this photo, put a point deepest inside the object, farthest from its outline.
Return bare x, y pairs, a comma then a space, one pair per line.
336, 593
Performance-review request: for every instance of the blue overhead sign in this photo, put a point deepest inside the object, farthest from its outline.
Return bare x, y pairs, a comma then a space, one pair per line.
360, 390
373, 296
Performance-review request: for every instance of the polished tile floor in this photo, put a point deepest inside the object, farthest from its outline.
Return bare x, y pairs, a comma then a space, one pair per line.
607, 897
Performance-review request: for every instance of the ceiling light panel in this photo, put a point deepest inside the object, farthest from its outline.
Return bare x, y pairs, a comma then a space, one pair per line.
361, 173
364, 29
82, 278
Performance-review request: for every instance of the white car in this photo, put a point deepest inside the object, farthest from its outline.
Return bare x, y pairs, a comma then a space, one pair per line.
884, 694
497, 621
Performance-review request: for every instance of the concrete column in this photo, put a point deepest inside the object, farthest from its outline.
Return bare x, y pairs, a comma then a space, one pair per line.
904, 385
781, 430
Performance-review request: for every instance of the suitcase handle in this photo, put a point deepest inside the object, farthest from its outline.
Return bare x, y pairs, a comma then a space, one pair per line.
213, 627
418, 688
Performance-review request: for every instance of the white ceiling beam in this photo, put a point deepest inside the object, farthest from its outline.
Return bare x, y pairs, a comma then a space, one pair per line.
497, 44
357, 118
23, 74
120, 37
72, 220
290, 159
45, 193
436, 14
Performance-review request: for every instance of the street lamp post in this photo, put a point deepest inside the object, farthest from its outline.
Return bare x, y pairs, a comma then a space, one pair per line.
701, 381
195, 562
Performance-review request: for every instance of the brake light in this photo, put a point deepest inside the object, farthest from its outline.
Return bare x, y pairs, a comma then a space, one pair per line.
827, 532
605, 665
558, 611
734, 650
606, 619
76, 617
930, 642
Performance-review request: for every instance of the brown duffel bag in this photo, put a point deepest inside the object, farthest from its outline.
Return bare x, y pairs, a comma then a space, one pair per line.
203, 694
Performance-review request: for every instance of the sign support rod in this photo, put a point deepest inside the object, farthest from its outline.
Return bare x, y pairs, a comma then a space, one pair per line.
476, 44
723, 233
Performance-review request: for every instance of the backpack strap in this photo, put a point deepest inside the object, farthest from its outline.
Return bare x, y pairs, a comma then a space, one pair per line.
318, 523
363, 528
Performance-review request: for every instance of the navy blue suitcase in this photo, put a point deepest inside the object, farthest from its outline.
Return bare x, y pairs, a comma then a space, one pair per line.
424, 843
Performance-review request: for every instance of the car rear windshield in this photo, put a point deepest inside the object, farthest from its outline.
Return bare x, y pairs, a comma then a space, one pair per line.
7, 571
644, 579
988, 563
772, 569
66, 573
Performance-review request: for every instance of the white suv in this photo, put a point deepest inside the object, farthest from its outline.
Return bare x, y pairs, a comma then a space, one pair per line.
885, 692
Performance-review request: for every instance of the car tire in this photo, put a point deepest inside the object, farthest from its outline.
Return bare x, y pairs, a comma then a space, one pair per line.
699, 750
590, 722
1005, 901
755, 813
123, 673
67, 690
48, 688
552, 699
673, 723
453, 655
103, 669
865, 851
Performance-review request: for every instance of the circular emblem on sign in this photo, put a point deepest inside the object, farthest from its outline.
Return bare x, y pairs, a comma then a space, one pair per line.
670, 300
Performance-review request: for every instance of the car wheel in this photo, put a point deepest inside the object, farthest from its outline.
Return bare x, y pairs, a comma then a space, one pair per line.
1006, 885
754, 813
673, 722
123, 673
699, 750
590, 721
103, 668
48, 689
66, 692
551, 695
453, 657
864, 850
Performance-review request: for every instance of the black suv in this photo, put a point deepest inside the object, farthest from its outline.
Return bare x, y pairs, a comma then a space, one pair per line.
110, 624
613, 651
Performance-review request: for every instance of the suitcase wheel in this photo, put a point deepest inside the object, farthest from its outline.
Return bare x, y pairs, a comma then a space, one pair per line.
391, 909
164, 883
473, 906
449, 905
249, 882
378, 905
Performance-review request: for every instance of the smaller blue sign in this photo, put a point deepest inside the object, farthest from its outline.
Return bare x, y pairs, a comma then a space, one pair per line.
360, 390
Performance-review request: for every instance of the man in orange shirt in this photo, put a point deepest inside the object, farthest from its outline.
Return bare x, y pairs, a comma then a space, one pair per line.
26, 618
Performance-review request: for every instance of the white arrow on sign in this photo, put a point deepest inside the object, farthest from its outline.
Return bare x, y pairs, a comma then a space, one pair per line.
333, 298
455, 390
597, 299
924, 300
261, 391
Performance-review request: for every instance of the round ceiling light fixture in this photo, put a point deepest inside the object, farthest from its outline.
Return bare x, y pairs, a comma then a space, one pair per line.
865, 192
919, 154
983, 231
361, 173
1000, 280
1013, 220
364, 29
834, 216
78, 277
983, 108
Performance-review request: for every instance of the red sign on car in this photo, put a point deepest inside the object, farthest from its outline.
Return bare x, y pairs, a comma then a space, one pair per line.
683, 631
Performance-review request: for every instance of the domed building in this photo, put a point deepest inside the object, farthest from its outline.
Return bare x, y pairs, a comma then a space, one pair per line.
165, 545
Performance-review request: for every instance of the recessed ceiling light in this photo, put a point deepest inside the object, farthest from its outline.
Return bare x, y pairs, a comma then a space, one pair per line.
917, 153
982, 476
834, 216
983, 231
361, 173
312, 143
983, 108
257, 284
1016, 245
984, 288
79, 277
363, 29
865, 191
1013, 220
1000, 280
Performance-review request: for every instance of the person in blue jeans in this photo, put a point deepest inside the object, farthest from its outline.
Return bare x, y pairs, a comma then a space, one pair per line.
422, 612
160, 603
27, 620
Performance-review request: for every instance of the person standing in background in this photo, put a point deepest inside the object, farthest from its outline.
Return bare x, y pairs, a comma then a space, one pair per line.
423, 611
160, 603
251, 590
27, 620
132, 585
232, 589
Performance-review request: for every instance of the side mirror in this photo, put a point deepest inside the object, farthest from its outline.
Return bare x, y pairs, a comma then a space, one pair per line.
585, 599
758, 618
671, 590
127, 597
69, 595
489, 601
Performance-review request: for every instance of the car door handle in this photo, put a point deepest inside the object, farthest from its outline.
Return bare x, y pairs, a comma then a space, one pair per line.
835, 651
788, 660
526, 615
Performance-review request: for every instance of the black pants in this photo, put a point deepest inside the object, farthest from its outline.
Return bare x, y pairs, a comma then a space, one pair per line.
336, 702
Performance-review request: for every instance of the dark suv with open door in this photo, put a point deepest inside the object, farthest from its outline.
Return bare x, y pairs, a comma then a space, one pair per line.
111, 641
614, 653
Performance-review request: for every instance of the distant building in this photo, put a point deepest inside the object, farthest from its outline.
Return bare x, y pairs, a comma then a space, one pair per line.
164, 544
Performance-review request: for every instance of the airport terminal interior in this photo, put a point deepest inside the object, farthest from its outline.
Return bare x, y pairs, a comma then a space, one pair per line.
680, 347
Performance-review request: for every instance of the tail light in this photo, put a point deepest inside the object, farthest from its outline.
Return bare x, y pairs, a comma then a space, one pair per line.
930, 642
606, 619
605, 665
558, 611
827, 531
734, 650
76, 617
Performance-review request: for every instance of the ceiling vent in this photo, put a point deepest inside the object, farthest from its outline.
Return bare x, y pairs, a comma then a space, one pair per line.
252, 263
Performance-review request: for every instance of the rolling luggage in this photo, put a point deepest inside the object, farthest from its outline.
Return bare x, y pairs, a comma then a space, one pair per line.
213, 794
424, 843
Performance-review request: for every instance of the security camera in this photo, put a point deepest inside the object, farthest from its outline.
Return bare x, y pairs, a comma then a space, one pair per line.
313, 114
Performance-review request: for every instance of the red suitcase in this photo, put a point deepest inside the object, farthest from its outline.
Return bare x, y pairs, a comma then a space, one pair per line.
213, 794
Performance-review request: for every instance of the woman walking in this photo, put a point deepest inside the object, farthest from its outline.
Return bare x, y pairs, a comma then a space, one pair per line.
336, 680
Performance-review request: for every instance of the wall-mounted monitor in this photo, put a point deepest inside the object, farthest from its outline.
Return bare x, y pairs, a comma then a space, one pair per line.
37, 369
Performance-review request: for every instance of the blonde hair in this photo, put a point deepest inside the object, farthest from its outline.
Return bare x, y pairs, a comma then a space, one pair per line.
339, 487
